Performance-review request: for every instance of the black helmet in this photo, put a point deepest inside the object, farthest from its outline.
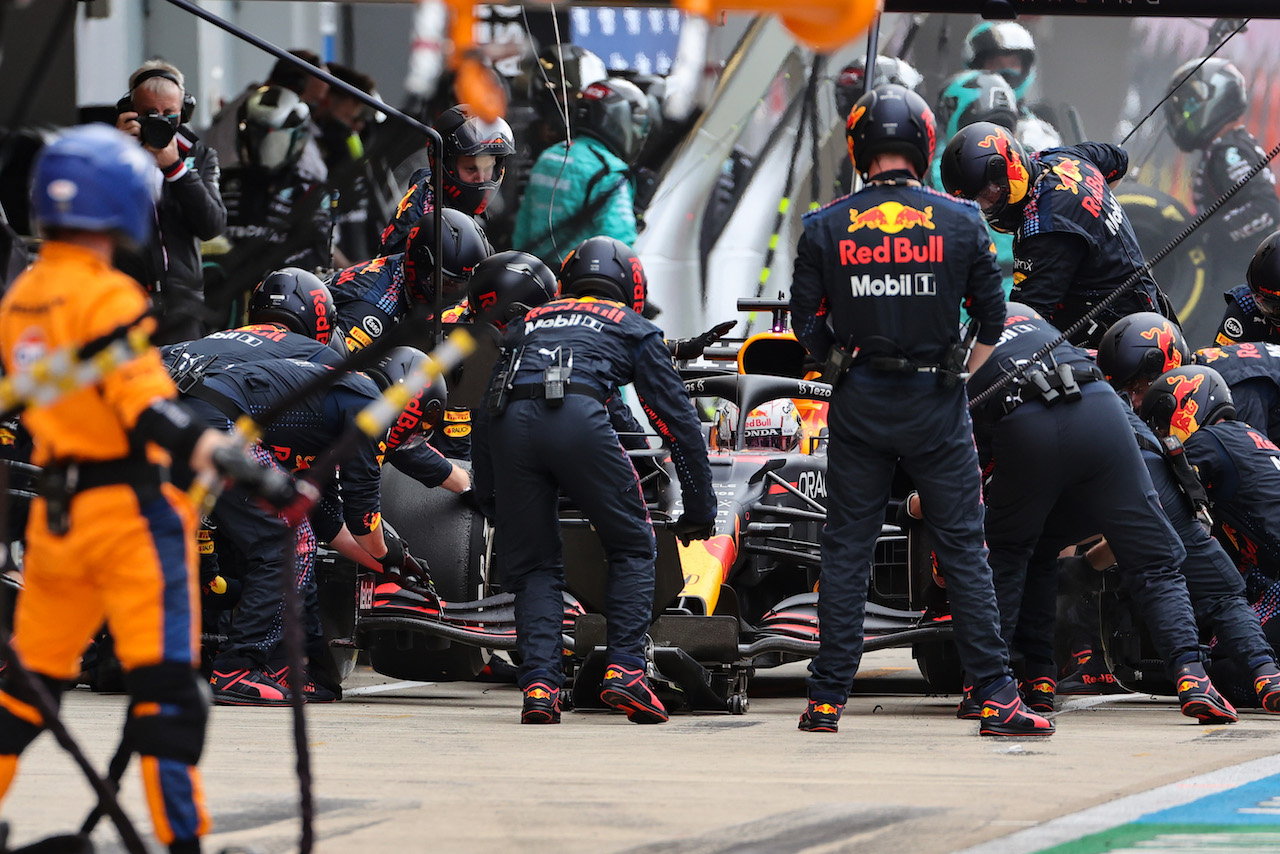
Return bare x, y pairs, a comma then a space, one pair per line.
976, 96
506, 285
423, 410
615, 112
985, 163
468, 135
1213, 97
891, 119
1264, 277
464, 245
551, 88
607, 267
297, 300
1185, 399
850, 84
1141, 346
995, 37
1018, 311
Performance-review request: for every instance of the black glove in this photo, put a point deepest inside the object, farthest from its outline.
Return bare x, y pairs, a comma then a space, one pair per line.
393, 560
687, 530
470, 500
691, 348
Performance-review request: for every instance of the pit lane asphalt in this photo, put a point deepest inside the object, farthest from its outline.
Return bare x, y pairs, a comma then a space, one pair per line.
413, 767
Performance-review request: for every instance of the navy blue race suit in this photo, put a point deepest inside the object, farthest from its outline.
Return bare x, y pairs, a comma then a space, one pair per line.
1252, 370
524, 456
371, 298
883, 272
1243, 322
1075, 244
1232, 234
1065, 470
293, 441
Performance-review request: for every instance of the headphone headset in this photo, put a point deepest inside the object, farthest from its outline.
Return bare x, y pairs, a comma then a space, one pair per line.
188, 100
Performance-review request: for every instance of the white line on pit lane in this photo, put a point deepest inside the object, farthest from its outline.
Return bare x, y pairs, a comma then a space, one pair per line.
1069, 828
382, 689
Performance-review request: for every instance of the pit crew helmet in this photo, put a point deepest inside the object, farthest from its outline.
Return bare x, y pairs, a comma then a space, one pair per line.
976, 96
423, 411
552, 83
1185, 399
995, 37
297, 300
891, 119
615, 112
985, 163
463, 246
1213, 97
1263, 277
466, 134
1141, 346
273, 128
774, 426
606, 267
850, 82
506, 285
95, 178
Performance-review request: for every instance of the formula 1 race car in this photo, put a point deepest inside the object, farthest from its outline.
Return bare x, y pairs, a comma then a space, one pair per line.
745, 598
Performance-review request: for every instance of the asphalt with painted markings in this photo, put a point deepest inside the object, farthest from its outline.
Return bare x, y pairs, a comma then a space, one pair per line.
405, 767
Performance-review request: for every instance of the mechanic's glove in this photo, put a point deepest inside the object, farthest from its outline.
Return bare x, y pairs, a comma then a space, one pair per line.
417, 578
687, 530
691, 348
1077, 577
470, 500
393, 560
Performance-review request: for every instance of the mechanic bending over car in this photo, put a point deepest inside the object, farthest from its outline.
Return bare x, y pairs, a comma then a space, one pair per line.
899, 394
1062, 464
1253, 309
245, 671
109, 537
544, 428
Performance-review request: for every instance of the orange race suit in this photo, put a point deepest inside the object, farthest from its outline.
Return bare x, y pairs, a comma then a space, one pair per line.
117, 543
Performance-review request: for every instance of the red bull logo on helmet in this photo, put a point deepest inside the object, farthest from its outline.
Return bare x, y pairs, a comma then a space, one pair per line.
1019, 178
891, 217
1182, 423
1163, 336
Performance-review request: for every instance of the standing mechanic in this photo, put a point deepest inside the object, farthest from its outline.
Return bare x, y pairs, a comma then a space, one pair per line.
1253, 309
545, 428
109, 537
879, 277
1073, 243
1205, 112
1061, 464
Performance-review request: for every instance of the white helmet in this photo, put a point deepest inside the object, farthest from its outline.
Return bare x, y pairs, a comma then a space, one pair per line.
775, 426
273, 128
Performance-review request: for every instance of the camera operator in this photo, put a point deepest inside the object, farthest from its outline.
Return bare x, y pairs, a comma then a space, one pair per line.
189, 209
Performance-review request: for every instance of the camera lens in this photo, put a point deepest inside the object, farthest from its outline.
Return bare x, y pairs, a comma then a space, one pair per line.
156, 131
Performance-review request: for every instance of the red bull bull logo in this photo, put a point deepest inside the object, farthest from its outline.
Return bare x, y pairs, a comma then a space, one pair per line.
1163, 336
854, 115
1069, 177
1019, 178
1183, 421
891, 217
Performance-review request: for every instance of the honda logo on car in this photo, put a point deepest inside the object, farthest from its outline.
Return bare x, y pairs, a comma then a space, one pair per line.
906, 285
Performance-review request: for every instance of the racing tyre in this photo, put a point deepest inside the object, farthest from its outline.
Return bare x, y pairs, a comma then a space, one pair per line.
445, 533
939, 664
1129, 651
1185, 273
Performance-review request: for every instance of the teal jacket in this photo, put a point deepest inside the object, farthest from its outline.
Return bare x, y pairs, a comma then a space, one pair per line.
590, 176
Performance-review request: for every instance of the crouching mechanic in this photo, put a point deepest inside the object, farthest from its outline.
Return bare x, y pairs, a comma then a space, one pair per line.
545, 428
1061, 464
899, 398
1240, 470
109, 538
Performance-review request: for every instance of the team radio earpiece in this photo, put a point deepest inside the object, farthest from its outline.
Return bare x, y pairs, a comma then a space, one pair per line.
188, 100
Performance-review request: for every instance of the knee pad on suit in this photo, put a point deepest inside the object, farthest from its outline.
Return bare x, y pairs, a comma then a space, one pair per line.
169, 711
